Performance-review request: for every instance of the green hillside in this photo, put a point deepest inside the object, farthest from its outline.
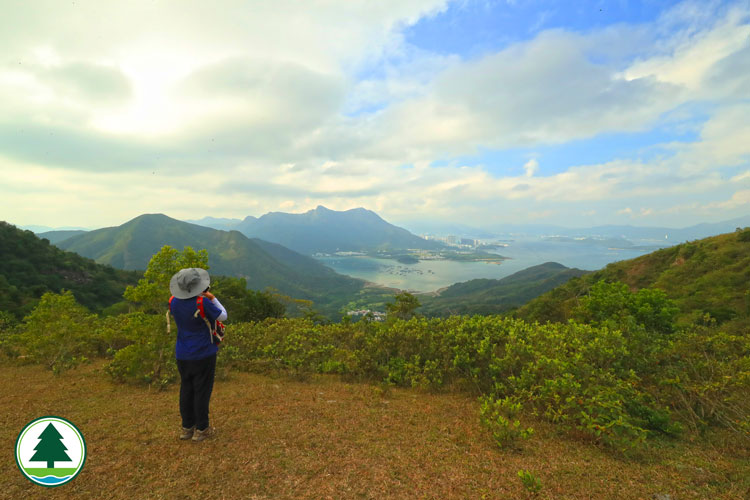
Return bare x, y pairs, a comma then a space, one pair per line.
30, 266
495, 296
708, 276
131, 245
56, 237
328, 231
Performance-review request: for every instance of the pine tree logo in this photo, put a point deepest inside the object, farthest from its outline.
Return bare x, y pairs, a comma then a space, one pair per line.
50, 448
50, 451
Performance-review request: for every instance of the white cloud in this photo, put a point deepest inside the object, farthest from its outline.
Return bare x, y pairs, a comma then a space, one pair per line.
263, 109
691, 54
738, 199
531, 167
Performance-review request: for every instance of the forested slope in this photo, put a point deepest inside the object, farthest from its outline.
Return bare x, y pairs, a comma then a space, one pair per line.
709, 276
30, 266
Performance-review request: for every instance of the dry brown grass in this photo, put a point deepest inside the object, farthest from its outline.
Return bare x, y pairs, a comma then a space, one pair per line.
328, 439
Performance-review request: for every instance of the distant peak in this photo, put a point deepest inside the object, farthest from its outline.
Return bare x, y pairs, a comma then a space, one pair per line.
153, 219
149, 216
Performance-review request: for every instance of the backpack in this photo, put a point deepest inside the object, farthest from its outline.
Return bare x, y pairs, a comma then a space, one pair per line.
216, 332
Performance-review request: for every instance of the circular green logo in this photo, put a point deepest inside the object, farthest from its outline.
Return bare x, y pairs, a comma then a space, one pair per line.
50, 451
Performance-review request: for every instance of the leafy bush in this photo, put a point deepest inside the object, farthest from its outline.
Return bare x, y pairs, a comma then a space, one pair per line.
7, 327
706, 378
530, 482
149, 359
59, 333
583, 378
614, 305
499, 416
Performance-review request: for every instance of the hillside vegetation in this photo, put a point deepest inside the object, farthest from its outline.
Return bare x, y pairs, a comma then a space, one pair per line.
30, 267
708, 277
496, 296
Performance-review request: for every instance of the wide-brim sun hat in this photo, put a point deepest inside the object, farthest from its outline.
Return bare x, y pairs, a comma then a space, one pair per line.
190, 282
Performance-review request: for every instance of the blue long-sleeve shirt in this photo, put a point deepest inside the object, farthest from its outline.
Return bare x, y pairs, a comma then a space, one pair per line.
193, 336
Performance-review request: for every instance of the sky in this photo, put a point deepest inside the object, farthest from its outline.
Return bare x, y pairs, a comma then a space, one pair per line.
481, 112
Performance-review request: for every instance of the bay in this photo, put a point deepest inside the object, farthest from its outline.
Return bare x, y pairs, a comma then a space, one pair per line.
431, 275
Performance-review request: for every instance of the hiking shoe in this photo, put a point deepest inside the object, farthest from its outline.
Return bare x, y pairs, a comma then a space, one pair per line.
187, 433
204, 434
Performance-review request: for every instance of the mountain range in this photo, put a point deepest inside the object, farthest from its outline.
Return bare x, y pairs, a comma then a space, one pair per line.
707, 276
669, 235
267, 264
262, 264
322, 230
327, 231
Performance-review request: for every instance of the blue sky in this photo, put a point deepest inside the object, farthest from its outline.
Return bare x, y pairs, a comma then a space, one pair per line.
472, 28
557, 158
482, 112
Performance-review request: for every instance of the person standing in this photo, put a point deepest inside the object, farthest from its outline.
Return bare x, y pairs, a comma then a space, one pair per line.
195, 349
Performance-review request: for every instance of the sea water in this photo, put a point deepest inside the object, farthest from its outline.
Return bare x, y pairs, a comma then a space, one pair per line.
430, 275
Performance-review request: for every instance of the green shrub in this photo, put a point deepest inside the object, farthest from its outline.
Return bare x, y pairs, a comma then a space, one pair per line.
614, 305
149, 359
530, 482
706, 377
8, 327
59, 333
499, 416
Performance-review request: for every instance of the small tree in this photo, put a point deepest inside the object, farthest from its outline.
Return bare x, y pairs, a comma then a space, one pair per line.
404, 306
148, 359
152, 292
248, 305
50, 448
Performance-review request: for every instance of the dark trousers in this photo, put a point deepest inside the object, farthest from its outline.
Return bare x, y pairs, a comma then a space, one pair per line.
196, 384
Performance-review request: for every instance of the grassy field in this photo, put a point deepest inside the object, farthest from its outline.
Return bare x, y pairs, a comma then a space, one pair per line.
323, 438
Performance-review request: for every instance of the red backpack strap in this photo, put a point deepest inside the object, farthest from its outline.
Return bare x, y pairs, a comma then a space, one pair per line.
211, 331
169, 323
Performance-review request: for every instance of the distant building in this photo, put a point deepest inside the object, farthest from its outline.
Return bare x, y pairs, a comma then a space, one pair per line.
361, 313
